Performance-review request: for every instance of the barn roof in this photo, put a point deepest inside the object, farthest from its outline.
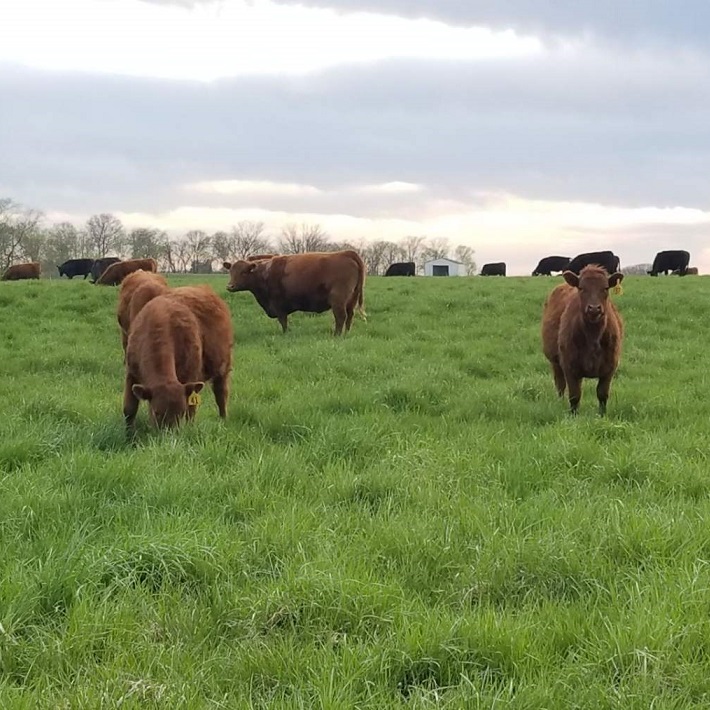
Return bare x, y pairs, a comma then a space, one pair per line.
444, 258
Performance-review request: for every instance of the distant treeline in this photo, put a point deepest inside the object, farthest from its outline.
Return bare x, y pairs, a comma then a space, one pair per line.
25, 235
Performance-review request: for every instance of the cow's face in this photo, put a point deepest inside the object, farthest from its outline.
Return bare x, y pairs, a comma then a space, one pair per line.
593, 284
241, 275
168, 404
61, 271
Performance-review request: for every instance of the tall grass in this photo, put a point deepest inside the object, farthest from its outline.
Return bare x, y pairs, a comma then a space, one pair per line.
404, 517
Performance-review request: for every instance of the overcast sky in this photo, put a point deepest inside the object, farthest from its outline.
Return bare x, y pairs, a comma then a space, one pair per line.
517, 127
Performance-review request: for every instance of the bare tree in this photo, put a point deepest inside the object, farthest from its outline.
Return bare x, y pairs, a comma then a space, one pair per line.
180, 255
374, 257
199, 247
465, 254
392, 253
63, 241
437, 248
105, 234
297, 239
19, 226
145, 243
247, 238
412, 248
221, 249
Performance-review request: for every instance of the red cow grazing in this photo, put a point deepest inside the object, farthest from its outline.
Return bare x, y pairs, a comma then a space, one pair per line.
115, 273
216, 335
258, 257
19, 272
136, 290
582, 333
163, 363
313, 282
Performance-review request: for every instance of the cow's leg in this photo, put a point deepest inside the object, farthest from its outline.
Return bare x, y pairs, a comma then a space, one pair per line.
574, 388
603, 387
220, 387
349, 313
85, 276
559, 375
341, 315
284, 322
130, 404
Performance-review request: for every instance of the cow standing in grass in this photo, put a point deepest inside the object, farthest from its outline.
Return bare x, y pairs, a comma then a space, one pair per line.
313, 282
75, 267
136, 290
115, 273
582, 333
19, 272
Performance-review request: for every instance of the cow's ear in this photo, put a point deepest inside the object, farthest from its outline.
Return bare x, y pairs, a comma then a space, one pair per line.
571, 278
193, 388
251, 267
614, 279
227, 265
142, 392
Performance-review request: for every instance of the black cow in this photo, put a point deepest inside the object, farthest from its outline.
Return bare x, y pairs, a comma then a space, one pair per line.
402, 268
75, 267
549, 264
673, 260
100, 265
606, 259
496, 269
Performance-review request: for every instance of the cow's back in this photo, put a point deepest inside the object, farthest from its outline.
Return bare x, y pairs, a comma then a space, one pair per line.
215, 323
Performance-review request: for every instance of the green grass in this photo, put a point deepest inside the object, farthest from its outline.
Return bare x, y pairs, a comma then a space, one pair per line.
405, 517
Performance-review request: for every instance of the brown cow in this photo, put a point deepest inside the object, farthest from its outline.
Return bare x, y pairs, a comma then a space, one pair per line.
258, 257
115, 273
691, 271
582, 333
19, 272
136, 290
313, 282
217, 337
163, 363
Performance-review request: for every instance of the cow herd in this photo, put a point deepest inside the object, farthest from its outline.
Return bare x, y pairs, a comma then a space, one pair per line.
177, 339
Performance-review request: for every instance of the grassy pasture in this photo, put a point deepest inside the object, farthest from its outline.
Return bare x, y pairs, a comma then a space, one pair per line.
405, 517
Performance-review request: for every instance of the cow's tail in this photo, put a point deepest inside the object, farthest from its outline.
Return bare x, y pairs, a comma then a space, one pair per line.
361, 289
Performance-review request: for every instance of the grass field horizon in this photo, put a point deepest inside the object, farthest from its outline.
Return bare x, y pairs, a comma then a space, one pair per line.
403, 517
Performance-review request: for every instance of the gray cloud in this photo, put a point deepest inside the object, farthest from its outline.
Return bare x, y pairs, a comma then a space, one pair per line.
608, 127
657, 19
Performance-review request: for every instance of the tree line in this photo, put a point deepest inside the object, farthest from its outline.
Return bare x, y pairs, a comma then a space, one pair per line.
25, 235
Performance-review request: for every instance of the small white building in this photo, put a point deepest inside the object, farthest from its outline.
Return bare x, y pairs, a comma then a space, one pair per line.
444, 267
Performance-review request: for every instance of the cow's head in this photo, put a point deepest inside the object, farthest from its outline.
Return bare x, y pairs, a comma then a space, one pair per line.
168, 404
241, 275
593, 284
61, 271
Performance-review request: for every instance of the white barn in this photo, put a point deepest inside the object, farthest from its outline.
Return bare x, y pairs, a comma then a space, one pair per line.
444, 267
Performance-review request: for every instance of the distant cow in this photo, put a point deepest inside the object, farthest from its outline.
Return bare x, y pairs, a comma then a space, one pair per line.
582, 333
606, 259
549, 264
118, 271
100, 265
259, 257
18, 272
402, 268
313, 282
495, 269
75, 267
136, 290
691, 271
670, 261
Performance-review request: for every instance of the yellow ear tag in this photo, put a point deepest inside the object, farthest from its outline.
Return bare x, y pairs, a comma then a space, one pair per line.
618, 290
194, 399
